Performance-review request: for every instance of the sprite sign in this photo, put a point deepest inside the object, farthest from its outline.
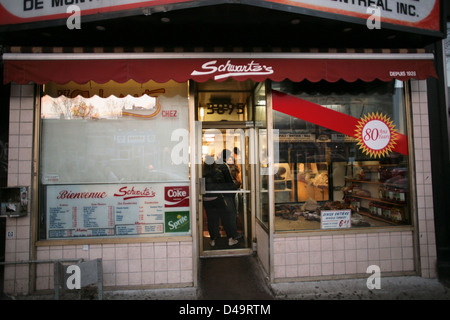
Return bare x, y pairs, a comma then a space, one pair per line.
177, 221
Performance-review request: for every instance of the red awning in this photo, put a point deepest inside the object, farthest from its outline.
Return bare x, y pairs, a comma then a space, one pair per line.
100, 68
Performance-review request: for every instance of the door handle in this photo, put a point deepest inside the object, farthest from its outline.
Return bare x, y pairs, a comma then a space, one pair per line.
202, 186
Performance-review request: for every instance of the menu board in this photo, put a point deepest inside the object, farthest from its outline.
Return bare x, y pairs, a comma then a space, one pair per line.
102, 210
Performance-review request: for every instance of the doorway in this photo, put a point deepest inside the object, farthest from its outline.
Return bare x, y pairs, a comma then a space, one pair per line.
229, 149
227, 119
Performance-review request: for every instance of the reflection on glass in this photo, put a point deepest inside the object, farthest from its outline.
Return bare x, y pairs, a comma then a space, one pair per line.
96, 107
262, 171
87, 138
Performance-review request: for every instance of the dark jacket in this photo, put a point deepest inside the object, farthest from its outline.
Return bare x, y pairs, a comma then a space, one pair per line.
218, 178
228, 183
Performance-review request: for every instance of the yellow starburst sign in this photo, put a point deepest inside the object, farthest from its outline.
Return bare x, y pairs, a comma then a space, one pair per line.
376, 135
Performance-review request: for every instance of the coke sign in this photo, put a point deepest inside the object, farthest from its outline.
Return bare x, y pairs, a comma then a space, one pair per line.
176, 196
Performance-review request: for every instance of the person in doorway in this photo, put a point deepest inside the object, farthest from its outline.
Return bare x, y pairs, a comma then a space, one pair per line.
229, 198
212, 202
217, 205
235, 170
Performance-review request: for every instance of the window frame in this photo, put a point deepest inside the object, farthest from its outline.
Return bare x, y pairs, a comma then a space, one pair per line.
406, 91
39, 205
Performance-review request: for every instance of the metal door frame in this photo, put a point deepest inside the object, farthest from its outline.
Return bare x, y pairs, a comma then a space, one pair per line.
248, 190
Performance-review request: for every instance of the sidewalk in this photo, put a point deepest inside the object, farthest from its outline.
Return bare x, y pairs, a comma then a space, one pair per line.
241, 278
395, 288
392, 288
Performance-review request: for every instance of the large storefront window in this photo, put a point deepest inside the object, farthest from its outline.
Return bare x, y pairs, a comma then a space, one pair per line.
343, 155
108, 166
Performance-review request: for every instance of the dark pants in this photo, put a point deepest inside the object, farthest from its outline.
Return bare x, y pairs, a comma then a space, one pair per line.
222, 208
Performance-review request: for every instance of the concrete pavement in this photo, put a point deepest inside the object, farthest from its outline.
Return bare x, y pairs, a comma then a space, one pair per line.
391, 288
240, 278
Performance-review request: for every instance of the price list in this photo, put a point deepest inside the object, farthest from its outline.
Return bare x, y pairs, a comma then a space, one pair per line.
106, 210
90, 220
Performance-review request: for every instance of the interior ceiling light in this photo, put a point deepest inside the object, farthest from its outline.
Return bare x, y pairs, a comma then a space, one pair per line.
165, 20
347, 29
295, 21
100, 28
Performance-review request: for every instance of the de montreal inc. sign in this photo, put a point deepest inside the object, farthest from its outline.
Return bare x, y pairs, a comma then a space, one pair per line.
421, 14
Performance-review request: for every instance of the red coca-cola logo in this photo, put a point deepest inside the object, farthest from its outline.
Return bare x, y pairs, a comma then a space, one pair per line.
176, 196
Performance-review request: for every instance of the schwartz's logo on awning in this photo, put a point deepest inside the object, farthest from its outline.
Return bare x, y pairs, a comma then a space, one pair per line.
230, 69
177, 221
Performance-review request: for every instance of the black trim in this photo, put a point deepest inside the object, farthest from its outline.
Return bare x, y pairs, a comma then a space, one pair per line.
4, 139
439, 118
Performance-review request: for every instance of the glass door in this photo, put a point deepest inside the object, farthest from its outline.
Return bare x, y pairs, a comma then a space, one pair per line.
225, 191
229, 116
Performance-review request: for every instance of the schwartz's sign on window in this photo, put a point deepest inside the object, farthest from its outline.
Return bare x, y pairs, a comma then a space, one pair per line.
422, 14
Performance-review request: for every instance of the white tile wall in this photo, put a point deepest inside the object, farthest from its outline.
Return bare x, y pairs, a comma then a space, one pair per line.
140, 264
427, 239
126, 265
17, 247
346, 254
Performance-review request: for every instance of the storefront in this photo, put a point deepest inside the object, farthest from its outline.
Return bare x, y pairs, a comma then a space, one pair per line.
112, 149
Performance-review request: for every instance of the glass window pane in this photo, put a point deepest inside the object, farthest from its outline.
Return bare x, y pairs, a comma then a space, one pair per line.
262, 173
327, 177
109, 155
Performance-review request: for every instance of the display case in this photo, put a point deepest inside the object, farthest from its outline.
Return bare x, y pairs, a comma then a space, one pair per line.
379, 190
312, 181
330, 168
283, 183
298, 182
